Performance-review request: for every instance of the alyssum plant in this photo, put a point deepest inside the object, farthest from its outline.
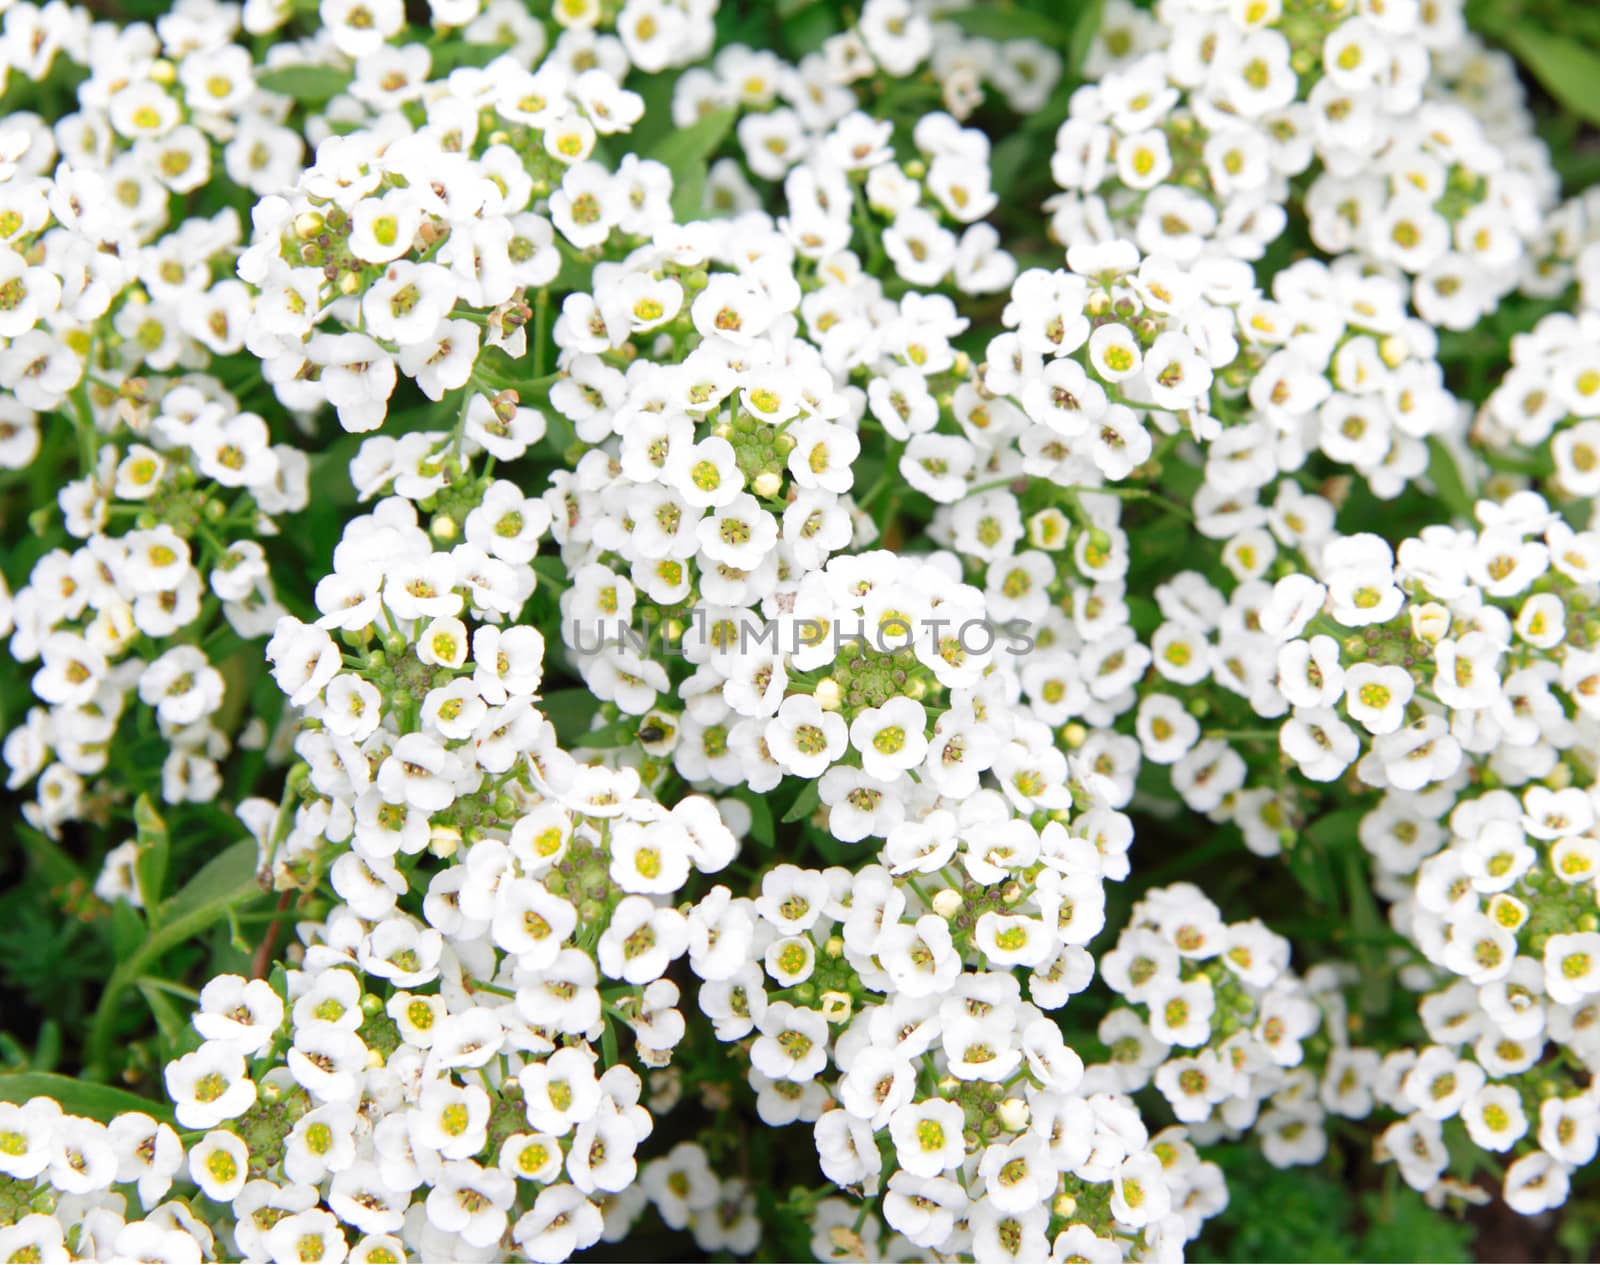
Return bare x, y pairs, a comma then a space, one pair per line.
395, 361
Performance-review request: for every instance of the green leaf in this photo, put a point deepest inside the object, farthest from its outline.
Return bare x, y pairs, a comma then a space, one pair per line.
761, 827
172, 1022
311, 86
1297, 1214
47, 1047
1011, 156
1447, 478
78, 1097
1330, 864
222, 882
128, 928
1309, 859
1083, 32
453, 53
1002, 22
570, 711
619, 733
805, 803
806, 25
50, 859
227, 880
154, 851
496, 371
608, 1044
1568, 70
686, 153
1336, 831
552, 573
1366, 928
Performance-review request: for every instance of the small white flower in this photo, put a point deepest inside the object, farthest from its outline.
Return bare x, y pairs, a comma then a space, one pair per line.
219, 1164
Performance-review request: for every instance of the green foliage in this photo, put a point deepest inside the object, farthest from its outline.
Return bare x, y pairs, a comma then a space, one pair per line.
1311, 1214
222, 884
1401, 1227
79, 1097
687, 153
310, 86
1310, 1221
1566, 70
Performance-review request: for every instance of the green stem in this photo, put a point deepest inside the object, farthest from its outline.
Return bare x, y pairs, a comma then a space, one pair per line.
167, 986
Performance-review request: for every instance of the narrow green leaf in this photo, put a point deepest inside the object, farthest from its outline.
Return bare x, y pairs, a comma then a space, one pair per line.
761, 825
311, 86
227, 880
51, 860
1003, 22
1568, 70
619, 733
172, 1022
496, 371
78, 1097
552, 573
694, 143
570, 711
805, 803
806, 25
1310, 863
453, 53
46, 1047
686, 153
1366, 928
128, 929
1336, 831
608, 1044
1448, 480
1083, 32
154, 851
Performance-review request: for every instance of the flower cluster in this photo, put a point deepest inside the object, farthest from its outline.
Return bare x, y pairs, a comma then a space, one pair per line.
714, 584
1376, 122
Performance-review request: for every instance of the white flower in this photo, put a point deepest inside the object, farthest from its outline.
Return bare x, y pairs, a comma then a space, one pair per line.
31, 294
321, 1142
27, 1136
1535, 1183
641, 940
209, 1085
531, 923
1569, 1129
928, 1136
1376, 695
561, 1223
891, 738
561, 1091
242, 1013
148, 1153
312, 1235
471, 1201
219, 1164
1181, 1014
1319, 742
1572, 966
803, 738
1139, 1192
304, 659
793, 1044
85, 1159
